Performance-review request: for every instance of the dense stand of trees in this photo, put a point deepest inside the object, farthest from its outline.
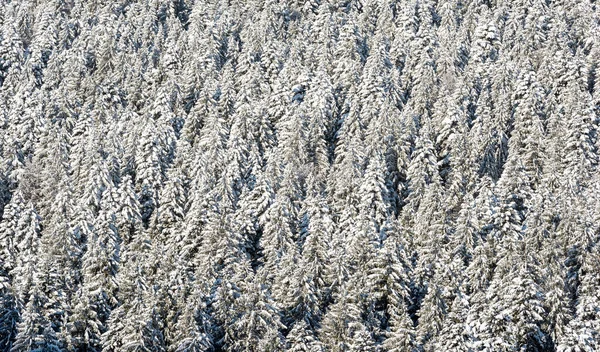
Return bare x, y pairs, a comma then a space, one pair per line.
324, 175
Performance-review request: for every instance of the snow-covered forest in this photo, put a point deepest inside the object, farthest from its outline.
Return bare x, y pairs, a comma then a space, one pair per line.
286, 175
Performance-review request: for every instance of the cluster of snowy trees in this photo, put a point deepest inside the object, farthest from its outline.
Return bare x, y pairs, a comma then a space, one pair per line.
285, 175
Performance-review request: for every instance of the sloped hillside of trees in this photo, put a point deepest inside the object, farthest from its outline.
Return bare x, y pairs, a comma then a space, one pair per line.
285, 175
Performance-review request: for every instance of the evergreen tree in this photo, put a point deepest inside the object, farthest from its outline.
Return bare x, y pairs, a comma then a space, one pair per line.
34, 331
25, 242
97, 295
582, 330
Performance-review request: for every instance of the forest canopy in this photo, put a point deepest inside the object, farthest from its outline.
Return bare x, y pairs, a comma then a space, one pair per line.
284, 175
